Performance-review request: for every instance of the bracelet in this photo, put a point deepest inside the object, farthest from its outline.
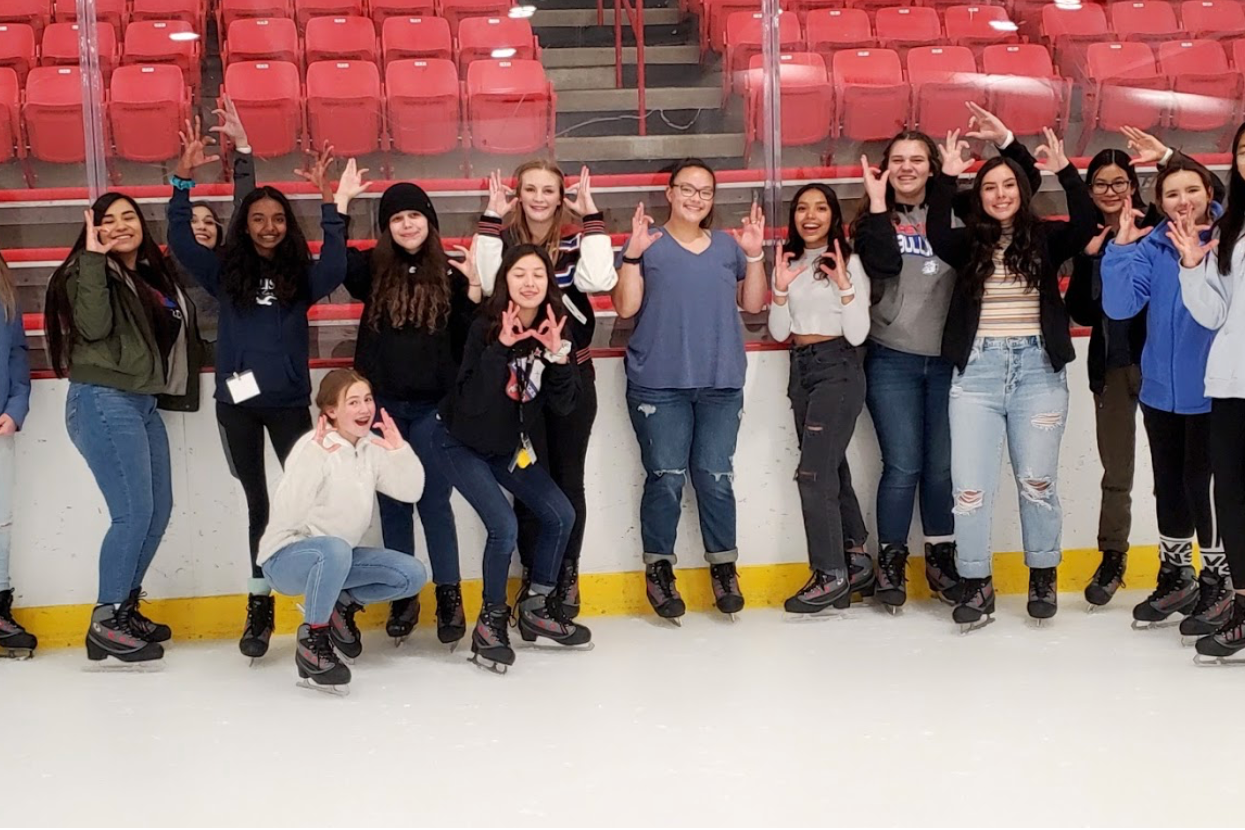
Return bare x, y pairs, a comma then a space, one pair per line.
755, 259
632, 260
778, 293
850, 291
181, 184
561, 354
246, 151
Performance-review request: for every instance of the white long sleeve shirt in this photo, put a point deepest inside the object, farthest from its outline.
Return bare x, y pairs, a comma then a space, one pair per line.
1217, 302
815, 306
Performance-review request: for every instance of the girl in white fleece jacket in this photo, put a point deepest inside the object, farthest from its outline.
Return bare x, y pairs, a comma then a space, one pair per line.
321, 510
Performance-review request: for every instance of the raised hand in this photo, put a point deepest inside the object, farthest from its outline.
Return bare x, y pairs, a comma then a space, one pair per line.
390, 436
642, 237
1187, 237
318, 172
988, 125
501, 199
512, 330
93, 243
322, 433
1095, 244
1149, 149
583, 203
751, 233
194, 149
231, 125
783, 275
549, 334
352, 183
1129, 232
468, 266
875, 185
1052, 151
838, 273
953, 161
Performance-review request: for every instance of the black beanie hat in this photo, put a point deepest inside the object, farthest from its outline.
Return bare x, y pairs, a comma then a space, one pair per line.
406, 196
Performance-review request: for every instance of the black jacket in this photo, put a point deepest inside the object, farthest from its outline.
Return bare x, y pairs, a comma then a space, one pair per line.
483, 410
1062, 241
1084, 300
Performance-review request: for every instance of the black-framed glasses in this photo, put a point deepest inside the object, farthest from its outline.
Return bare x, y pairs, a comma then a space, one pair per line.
687, 192
1117, 186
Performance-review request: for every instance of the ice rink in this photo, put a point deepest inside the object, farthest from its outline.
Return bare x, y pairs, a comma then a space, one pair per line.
867, 720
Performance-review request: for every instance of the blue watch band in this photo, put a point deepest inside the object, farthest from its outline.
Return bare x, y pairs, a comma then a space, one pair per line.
181, 184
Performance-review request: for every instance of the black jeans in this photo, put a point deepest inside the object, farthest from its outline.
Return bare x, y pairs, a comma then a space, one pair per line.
562, 448
827, 391
242, 433
1227, 446
1180, 456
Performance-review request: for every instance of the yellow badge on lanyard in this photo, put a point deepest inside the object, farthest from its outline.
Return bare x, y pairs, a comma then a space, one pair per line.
524, 456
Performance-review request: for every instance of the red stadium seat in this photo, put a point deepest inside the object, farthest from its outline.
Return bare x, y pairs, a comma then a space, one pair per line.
943, 78
262, 39
115, 12
164, 41
423, 106
344, 106
34, 13
807, 101
1070, 30
743, 40
482, 37
510, 107
872, 6
269, 101
1149, 21
340, 39
1206, 93
227, 11
905, 27
871, 97
53, 114
305, 10
426, 38
1025, 91
1213, 18
455, 11
189, 11
803, 7
147, 106
60, 46
828, 30
979, 26
10, 109
1124, 89
382, 10
713, 22
18, 49
1238, 54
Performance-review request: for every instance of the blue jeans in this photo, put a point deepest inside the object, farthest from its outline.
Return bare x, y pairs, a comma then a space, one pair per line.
8, 456
480, 478
122, 438
323, 567
907, 399
678, 428
397, 519
1007, 389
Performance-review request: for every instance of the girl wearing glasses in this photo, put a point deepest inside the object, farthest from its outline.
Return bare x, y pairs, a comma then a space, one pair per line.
685, 373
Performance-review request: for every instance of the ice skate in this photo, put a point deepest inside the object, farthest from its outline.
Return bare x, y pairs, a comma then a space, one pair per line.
490, 640
318, 665
820, 597
726, 594
1225, 646
567, 590
112, 643
860, 573
941, 573
892, 578
1213, 608
15, 642
1043, 595
152, 632
662, 593
976, 607
544, 618
451, 623
403, 617
1176, 593
1108, 579
344, 631
260, 620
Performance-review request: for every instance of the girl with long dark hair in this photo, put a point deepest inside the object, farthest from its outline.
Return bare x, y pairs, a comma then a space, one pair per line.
14, 406
418, 305
266, 282
1007, 335
517, 366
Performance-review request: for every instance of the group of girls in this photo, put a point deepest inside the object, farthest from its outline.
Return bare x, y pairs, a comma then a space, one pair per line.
473, 372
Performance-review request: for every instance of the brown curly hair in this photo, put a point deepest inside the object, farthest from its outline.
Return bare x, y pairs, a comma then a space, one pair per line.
410, 290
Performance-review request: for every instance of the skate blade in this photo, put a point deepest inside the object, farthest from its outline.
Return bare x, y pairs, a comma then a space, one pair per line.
968, 628
1188, 641
545, 644
488, 665
454, 646
398, 641
1139, 625
254, 662
1095, 609
1206, 661
1040, 622
336, 691
111, 665
895, 610
22, 654
823, 615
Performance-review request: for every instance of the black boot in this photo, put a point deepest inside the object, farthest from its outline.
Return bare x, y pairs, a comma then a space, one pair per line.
543, 616
823, 590
112, 634
661, 591
976, 601
451, 623
568, 587
260, 620
344, 630
860, 571
1043, 593
726, 593
1108, 579
941, 573
892, 577
1176, 593
317, 662
1214, 605
490, 639
152, 632
1228, 640
403, 617
15, 641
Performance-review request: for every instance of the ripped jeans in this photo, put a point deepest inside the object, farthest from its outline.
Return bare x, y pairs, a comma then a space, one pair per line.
678, 429
1007, 388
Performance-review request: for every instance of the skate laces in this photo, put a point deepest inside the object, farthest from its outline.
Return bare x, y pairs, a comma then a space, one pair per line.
663, 576
1168, 583
892, 566
321, 644
449, 599
259, 613
1043, 582
724, 579
347, 613
566, 578
1208, 591
135, 617
974, 592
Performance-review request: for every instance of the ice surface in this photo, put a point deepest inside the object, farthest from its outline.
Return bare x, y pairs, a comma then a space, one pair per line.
864, 721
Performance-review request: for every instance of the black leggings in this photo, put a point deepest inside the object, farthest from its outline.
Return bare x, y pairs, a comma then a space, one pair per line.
1227, 446
1180, 457
564, 458
242, 433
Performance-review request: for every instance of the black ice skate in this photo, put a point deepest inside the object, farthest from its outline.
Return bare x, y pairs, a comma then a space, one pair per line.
490, 640
317, 662
111, 640
892, 577
451, 623
15, 641
1214, 606
543, 616
662, 593
824, 591
1176, 593
940, 572
403, 617
345, 631
1043, 593
1220, 648
567, 589
152, 632
976, 602
1108, 579
726, 594
860, 572
260, 619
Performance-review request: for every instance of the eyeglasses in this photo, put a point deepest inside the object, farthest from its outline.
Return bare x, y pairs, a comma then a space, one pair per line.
687, 192
1117, 186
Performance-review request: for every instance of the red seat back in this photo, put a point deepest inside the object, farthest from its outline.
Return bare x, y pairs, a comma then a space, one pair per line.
509, 106
480, 37
1210, 17
10, 107
382, 10
422, 98
406, 38
147, 107
340, 39
53, 114
262, 39
344, 106
455, 11
1206, 92
189, 11
871, 97
18, 48
907, 26
943, 78
164, 41
60, 46
305, 10
269, 101
230, 10
1130, 90
1024, 90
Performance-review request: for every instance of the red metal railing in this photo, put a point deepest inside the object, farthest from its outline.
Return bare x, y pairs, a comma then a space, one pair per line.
635, 16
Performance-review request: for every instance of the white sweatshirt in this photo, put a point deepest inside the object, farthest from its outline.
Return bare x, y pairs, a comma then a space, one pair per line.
814, 306
332, 493
1218, 303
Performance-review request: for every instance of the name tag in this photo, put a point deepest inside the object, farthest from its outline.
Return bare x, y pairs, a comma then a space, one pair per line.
242, 387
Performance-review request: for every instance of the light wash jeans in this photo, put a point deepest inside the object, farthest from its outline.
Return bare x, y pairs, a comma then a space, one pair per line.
8, 456
1007, 389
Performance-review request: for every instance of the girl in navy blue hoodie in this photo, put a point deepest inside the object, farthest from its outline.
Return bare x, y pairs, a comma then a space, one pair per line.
266, 282
14, 404
1141, 272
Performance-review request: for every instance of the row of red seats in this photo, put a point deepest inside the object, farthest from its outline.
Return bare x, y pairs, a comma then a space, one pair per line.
146, 42
378, 11
403, 38
119, 13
